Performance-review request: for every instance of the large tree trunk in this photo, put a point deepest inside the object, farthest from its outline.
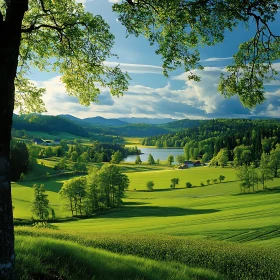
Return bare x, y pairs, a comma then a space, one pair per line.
10, 36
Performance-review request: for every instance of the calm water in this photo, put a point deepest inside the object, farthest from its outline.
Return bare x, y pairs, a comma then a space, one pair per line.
161, 154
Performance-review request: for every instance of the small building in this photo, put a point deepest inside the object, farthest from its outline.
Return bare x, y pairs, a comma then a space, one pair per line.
56, 141
47, 142
38, 141
187, 164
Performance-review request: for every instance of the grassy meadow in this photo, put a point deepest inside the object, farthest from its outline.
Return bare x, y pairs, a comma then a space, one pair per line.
211, 227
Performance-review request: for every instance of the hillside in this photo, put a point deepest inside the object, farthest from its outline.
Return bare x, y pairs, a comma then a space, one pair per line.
50, 124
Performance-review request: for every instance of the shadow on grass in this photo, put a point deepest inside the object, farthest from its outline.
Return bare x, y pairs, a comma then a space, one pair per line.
156, 211
260, 191
138, 168
134, 203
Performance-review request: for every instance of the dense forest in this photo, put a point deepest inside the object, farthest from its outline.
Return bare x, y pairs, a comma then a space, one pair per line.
213, 135
50, 124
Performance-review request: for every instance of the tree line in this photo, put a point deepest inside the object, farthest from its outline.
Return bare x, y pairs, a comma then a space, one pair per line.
101, 189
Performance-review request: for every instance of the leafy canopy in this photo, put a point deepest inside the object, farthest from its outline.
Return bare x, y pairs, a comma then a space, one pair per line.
60, 36
179, 27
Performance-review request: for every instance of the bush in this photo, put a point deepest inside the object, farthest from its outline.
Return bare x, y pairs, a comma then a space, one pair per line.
188, 185
201, 184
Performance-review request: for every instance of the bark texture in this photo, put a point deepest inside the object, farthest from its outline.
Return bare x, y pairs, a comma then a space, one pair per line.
10, 36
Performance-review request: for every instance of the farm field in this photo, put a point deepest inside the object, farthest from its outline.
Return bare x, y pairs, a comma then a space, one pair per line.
217, 213
215, 210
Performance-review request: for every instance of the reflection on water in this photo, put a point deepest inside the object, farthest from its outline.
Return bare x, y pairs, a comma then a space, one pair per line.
161, 154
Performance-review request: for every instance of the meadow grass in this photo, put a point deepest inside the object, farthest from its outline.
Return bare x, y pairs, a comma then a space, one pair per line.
60, 259
211, 226
233, 260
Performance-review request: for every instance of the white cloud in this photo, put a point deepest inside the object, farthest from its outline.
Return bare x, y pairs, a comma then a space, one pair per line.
216, 59
136, 68
204, 92
113, 1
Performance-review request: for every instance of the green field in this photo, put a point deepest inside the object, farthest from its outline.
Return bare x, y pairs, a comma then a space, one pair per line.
216, 212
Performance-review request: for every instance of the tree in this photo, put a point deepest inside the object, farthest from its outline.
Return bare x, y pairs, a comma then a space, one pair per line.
170, 159
19, 160
150, 185
222, 157
265, 171
180, 159
112, 184
138, 160
174, 182
61, 165
40, 204
73, 193
243, 174
221, 178
72, 36
179, 27
151, 159
188, 185
117, 157
208, 181
275, 160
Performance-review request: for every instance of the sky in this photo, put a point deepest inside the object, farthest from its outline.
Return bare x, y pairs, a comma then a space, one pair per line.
152, 95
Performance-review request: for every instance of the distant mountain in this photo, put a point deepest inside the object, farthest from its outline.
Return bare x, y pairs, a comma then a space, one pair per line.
103, 121
72, 119
147, 120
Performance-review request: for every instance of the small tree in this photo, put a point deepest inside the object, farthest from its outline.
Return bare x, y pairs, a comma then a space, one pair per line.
188, 185
174, 182
221, 178
40, 203
208, 181
215, 181
170, 159
150, 185
117, 157
265, 171
201, 184
22, 177
180, 159
138, 160
151, 159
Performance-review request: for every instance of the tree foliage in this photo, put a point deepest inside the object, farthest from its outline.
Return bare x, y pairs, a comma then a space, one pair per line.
150, 185
179, 28
40, 204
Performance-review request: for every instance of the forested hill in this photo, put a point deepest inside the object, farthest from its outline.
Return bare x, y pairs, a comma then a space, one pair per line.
213, 135
47, 124
182, 124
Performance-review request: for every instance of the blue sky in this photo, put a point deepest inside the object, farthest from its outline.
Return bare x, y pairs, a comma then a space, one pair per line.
152, 95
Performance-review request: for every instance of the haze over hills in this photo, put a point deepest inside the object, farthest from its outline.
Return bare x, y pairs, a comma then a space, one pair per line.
148, 120
119, 121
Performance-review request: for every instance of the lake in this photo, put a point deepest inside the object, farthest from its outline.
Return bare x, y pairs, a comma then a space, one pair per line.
160, 154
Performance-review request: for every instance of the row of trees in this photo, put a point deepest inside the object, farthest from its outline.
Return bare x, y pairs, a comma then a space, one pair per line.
210, 136
250, 176
101, 189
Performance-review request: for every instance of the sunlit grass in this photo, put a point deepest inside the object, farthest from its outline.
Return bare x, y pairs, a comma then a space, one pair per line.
47, 257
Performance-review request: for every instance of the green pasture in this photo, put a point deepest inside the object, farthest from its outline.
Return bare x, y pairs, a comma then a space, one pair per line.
203, 226
162, 175
212, 211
